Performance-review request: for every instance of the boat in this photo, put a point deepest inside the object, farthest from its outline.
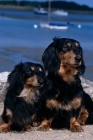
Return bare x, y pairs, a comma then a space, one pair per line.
60, 13
54, 25
40, 11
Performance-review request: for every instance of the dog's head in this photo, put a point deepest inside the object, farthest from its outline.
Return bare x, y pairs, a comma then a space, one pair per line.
64, 56
27, 74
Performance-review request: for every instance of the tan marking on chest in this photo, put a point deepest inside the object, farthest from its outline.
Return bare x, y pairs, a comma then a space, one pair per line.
29, 94
67, 72
54, 104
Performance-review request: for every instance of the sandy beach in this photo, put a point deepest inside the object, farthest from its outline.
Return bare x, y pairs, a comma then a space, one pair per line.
50, 135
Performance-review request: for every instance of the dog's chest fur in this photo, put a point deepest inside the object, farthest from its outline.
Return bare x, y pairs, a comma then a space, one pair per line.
64, 96
56, 104
30, 95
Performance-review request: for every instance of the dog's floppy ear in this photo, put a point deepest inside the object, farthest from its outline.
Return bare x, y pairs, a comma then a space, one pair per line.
82, 67
14, 78
50, 58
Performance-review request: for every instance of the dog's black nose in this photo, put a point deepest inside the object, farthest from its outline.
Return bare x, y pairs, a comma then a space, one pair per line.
40, 81
78, 58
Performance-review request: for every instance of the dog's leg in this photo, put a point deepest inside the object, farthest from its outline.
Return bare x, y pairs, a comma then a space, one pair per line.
83, 116
35, 123
36, 120
74, 125
5, 127
27, 127
45, 124
6, 120
88, 104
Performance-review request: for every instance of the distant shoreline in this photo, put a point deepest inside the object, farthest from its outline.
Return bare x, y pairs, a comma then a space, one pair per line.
30, 9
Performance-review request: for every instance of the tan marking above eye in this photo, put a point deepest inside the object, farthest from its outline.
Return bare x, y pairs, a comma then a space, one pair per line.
32, 68
76, 44
40, 69
69, 44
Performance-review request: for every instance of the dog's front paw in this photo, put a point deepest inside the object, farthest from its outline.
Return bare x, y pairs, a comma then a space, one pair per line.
27, 127
45, 126
35, 124
4, 128
83, 116
75, 126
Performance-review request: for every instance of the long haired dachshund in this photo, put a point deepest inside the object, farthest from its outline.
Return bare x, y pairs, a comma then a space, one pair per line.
67, 105
24, 96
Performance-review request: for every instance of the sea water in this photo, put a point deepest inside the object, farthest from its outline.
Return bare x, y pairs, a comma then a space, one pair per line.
15, 33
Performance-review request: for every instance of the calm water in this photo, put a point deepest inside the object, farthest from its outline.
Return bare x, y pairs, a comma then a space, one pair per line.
17, 34
30, 14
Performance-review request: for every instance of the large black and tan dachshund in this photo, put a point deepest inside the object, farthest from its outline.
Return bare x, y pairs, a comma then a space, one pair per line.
67, 105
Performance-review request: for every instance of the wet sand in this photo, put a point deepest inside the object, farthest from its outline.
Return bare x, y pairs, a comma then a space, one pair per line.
10, 56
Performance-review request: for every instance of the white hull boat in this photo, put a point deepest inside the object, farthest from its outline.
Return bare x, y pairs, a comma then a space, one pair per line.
53, 25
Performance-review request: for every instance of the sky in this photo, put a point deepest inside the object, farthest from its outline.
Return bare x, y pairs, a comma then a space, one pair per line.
87, 2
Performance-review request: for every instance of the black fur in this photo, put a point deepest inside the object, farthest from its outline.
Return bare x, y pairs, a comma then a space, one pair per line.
50, 56
64, 91
21, 110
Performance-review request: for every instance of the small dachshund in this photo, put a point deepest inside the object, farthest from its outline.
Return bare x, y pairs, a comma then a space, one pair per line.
67, 105
24, 97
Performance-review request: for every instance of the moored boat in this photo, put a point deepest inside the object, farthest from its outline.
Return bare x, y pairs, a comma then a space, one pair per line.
40, 11
60, 13
54, 25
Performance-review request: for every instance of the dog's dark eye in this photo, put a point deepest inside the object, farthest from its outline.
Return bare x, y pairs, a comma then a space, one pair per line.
65, 48
78, 51
29, 71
